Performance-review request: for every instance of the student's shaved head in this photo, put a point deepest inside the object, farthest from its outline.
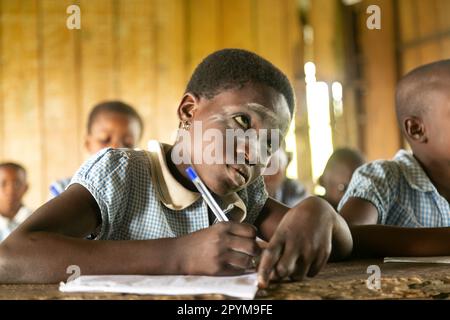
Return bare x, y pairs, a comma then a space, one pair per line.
421, 89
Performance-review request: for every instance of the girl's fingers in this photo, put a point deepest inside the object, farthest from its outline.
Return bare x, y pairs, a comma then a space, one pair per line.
288, 260
269, 258
244, 245
302, 267
318, 264
238, 260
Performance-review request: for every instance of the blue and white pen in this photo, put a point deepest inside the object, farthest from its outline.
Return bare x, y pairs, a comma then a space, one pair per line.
213, 205
210, 201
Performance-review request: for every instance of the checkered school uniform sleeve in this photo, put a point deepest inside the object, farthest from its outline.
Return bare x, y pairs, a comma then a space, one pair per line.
254, 197
377, 183
106, 176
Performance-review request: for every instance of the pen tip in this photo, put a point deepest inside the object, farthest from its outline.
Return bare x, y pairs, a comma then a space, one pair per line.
191, 173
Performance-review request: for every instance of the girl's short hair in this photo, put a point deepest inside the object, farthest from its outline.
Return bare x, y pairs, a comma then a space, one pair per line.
233, 68
116, 107
13, 165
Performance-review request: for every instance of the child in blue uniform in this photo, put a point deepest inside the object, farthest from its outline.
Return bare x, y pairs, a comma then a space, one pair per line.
148, 217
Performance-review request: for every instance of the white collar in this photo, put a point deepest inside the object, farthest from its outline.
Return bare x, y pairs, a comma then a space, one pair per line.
174, 195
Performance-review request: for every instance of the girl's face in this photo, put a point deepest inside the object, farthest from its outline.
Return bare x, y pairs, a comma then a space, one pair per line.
112, 129
13, 186
248, 109
336, 179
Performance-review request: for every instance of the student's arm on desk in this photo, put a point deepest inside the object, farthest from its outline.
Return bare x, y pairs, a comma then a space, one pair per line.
301, 239
372, 240
41, 249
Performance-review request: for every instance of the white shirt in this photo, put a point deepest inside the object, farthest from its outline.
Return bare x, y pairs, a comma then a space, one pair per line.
8, 225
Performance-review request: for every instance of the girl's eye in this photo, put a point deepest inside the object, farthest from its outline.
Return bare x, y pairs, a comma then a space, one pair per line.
243, 121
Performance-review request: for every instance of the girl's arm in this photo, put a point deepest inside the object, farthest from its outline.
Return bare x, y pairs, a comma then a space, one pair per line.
45, 245
41, 249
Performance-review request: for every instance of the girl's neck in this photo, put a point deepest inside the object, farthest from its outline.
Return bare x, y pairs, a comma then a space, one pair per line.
178, 171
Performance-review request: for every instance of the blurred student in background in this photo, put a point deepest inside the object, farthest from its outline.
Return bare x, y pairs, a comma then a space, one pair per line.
287, 191
110, 124
338, 173
13, 186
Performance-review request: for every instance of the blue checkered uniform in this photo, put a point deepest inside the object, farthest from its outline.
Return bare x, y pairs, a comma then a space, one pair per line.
120, 181
401, 191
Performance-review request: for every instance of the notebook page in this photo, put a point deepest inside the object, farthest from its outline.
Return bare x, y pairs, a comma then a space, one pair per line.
243, 287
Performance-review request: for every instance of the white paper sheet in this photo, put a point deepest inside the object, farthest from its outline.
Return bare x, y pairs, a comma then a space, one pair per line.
243, 287
441, 259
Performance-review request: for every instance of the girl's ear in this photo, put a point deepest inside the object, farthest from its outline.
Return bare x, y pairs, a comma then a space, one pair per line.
187, 107
88, 143
415, 130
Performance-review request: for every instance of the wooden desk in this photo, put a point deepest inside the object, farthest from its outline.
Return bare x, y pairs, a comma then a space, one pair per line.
344, 280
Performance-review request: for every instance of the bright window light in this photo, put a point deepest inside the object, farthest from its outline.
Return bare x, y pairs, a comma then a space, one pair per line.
320, 134
336, 92
310, 72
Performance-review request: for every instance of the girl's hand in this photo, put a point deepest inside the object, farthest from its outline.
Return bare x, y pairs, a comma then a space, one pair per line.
226, 248
302, 242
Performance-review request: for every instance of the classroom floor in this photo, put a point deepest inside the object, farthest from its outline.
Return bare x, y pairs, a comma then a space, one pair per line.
344, 280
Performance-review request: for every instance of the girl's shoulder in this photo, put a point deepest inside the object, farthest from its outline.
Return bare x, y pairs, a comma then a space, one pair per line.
114, 164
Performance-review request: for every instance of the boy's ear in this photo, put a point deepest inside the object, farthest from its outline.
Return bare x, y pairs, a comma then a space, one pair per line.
415, 130
187, 107
320, 180
86, 143
289, 156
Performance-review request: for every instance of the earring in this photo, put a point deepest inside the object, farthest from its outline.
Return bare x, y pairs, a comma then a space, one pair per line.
185, 125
